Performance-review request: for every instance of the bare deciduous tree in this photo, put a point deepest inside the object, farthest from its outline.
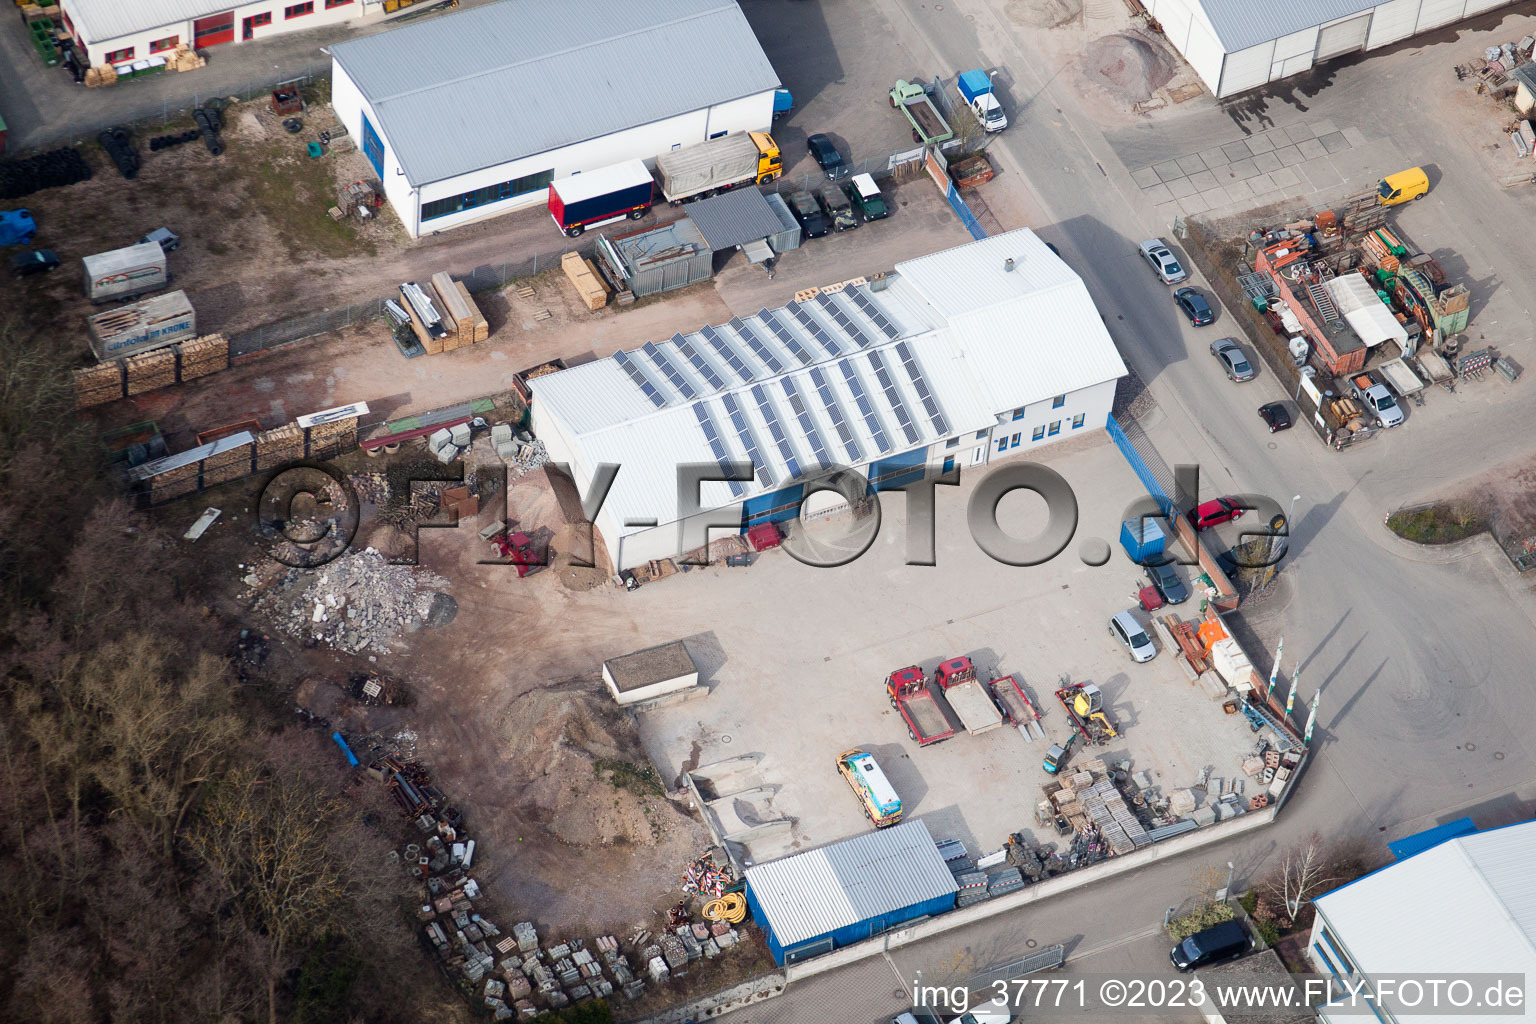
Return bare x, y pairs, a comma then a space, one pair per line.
1305, 871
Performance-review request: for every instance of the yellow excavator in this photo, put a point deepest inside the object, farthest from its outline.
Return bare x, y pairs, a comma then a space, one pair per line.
1084, 703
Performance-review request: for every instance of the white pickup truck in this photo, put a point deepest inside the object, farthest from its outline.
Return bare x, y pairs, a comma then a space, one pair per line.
1373, 394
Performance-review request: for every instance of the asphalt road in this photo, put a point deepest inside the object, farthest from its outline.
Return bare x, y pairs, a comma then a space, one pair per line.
1422, 661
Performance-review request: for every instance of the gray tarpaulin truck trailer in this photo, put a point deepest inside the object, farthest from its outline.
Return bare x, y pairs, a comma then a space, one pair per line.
125, 273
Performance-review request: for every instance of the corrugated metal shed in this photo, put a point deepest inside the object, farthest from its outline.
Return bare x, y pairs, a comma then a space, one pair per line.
1240, 24
734, 218
819, 892
1464, 905
493, 84
662, 258
788, 235
99, 20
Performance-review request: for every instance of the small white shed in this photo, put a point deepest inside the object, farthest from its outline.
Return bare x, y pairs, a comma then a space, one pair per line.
651, 673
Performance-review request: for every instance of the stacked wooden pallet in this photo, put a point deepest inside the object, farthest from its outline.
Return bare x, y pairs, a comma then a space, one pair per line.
151, 370
206, 355
278, 446
584, 276
230, 464
96, 385
324, 440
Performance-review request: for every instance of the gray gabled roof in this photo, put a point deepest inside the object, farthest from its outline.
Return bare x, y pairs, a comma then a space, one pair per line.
734, 218
490, 85
1240, 24
100, 20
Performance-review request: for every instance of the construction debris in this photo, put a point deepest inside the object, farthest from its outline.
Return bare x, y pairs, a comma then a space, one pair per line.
357, 602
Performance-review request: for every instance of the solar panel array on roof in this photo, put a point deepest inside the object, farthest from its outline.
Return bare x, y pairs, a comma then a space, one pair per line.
893, 397
843, 320
920, 385
815, 329
783, 334
713, 379
873, 312
664, 364
835, 414
641, 381
748, 442
865, 409
707, 424
771, 417
807, 425
727, 353
763, 351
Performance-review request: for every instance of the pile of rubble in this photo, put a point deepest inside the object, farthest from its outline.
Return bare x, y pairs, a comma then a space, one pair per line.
522, 452
356, 603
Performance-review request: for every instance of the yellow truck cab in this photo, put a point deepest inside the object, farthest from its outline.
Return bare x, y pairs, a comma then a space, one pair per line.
1403, 186
769, 163
876, 794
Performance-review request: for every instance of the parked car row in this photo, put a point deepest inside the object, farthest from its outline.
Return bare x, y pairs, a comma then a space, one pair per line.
831, 208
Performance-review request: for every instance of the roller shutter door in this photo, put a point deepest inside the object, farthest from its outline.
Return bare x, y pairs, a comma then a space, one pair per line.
1434, 13
1392, 21
1246, 69
1479, 6
1293, 54
1345, 37
213, 30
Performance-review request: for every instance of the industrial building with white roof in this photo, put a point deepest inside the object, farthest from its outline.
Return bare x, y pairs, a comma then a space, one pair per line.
473, 114
1464, 905
986, 350
1237, 45
117, 31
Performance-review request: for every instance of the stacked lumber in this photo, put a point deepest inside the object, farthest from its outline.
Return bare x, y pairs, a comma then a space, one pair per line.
151, 370
451, 306
227, 465
105, 74
173, 483
480, 328
280, 445
95, 385
206, 355
185, 59
324, 440
432, 345
584, 276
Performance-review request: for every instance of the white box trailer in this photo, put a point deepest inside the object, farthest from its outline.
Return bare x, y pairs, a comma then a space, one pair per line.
125, 273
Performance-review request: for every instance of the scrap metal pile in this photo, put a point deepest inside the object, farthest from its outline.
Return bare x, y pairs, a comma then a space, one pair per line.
359, 602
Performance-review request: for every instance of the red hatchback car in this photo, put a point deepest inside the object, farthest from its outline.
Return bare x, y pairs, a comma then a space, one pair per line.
1214, 513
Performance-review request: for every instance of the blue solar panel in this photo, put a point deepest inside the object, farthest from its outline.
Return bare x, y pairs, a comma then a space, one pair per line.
814, 329
872, 311
920, 385
893, 397
843, 320
727, 353
748, 441
783, 334
664, 364
771, 417
641, 381
835, 414
807, 425
706, 371
707, 424
857, 387
756, 344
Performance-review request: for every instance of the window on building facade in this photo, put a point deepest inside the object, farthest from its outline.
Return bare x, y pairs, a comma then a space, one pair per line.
1016, 438
1077, 420
953, 442
1058, 401
485, 196
336, 3
1018, 414
299, 10
161, 45
1055, 428
258, 20
117, 56
980, 434
1038, 434
1002, 444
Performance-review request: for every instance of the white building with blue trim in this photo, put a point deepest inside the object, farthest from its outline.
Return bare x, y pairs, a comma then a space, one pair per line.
987, 350
473, 114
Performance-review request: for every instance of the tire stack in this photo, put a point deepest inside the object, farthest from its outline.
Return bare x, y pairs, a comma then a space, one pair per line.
209, 122
119, 146
48, 170
160, 142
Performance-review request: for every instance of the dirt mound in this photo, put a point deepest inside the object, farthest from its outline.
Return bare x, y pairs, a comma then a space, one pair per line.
1129, 67
588, 780
1044, 13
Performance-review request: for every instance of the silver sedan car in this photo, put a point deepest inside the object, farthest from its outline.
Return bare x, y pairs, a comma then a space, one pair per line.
1232, 360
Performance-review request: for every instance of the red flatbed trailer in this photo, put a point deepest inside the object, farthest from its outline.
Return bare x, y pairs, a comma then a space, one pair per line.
1018, 710
908, 691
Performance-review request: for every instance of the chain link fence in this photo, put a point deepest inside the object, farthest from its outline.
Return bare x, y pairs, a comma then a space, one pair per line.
153, 115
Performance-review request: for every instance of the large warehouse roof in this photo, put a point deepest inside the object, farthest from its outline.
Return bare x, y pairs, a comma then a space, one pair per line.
1240, 24
100, 20
512, 79
813, 893
846, 378
1474, 888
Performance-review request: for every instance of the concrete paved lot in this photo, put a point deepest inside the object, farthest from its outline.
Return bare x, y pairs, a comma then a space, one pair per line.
801, 703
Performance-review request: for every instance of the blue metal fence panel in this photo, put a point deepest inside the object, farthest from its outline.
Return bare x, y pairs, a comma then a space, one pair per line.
957, 203
1139, 465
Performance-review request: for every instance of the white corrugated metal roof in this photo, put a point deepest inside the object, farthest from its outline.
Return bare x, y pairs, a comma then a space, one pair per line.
490, 85
1476, 891
101, 20
986, 357
1370, 319
591, 184
820, 891
1240, 24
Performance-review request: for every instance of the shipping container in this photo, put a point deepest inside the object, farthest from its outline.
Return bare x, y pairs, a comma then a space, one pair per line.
125, 273
601, 197
149, 324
